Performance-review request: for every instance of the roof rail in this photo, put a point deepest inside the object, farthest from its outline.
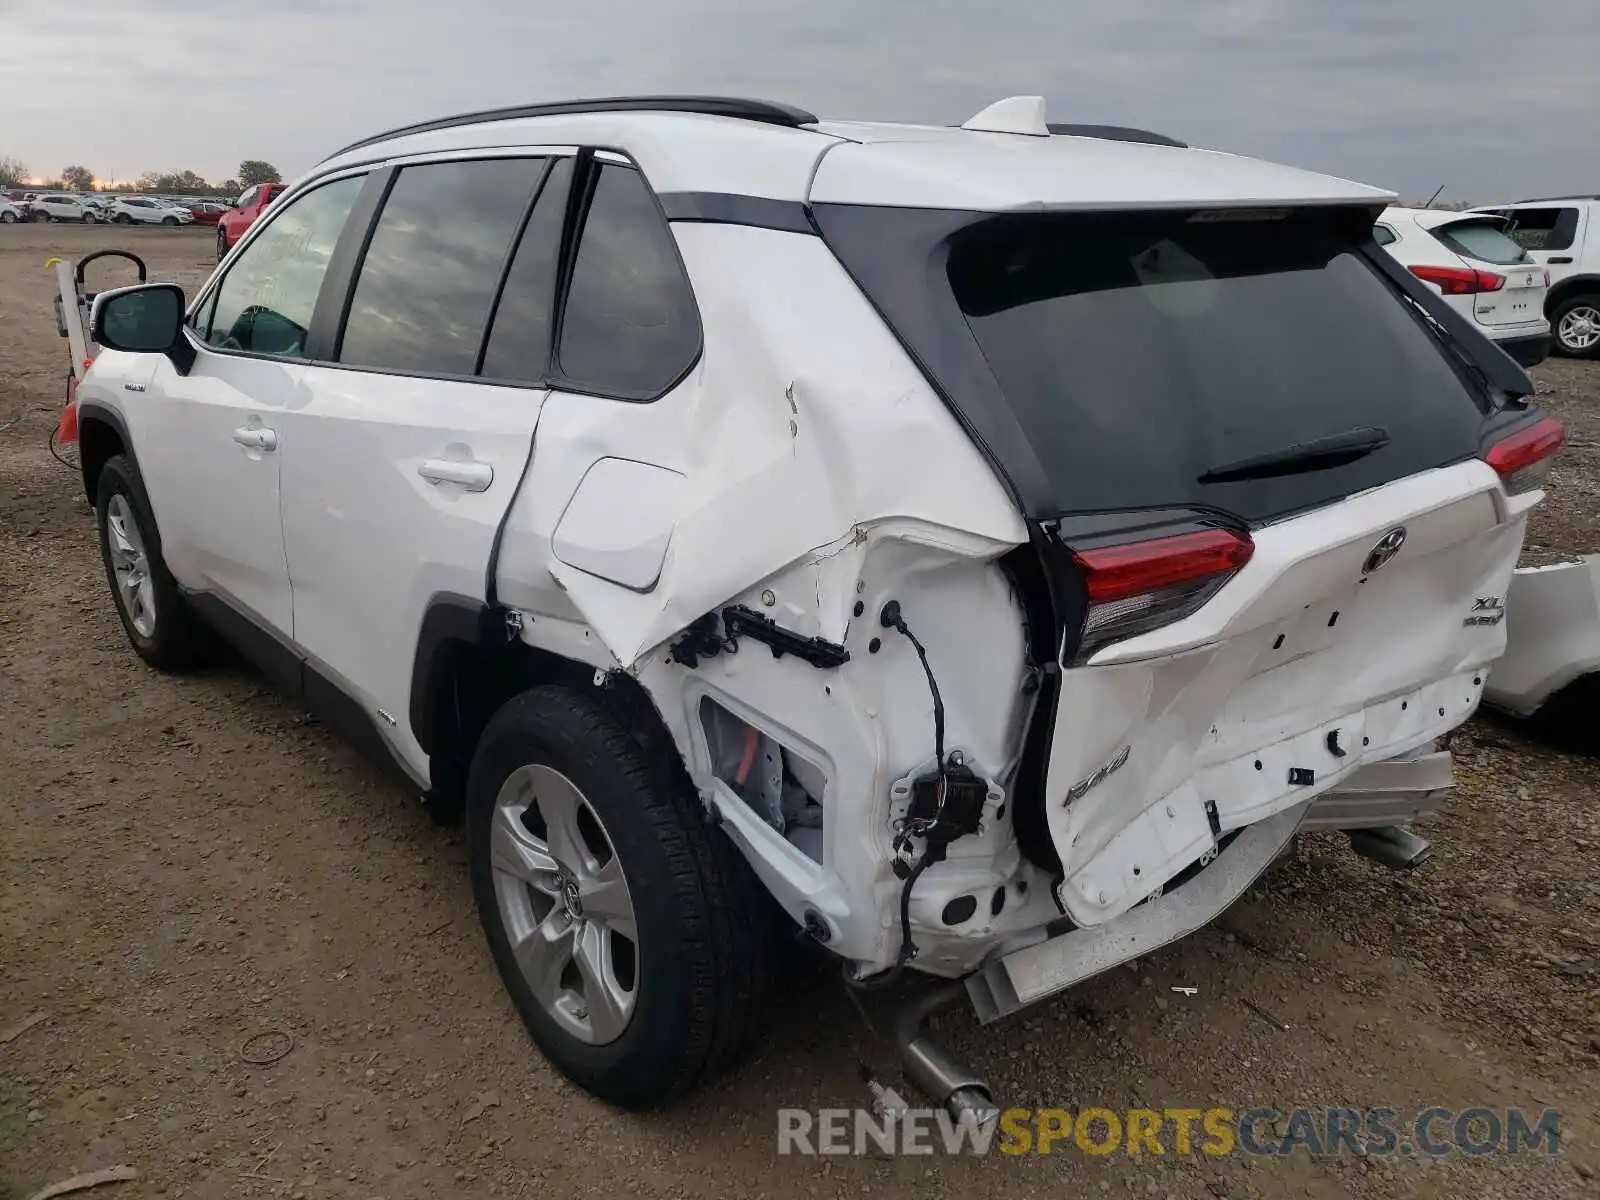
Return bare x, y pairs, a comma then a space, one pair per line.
765, 111
1547, 199
1117, 133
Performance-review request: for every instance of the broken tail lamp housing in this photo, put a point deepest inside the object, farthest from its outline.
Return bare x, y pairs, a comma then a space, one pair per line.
1138, 586
1523, 460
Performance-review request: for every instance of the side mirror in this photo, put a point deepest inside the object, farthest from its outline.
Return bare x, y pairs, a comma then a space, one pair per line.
146, 319
268, 199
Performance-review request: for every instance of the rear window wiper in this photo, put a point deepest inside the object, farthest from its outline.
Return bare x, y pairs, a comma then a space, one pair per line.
1319, 454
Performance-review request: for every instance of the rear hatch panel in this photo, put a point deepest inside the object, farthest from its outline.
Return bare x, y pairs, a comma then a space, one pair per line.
1304, 668
1480, 243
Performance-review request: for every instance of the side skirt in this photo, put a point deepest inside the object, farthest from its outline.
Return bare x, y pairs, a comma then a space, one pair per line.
303, 681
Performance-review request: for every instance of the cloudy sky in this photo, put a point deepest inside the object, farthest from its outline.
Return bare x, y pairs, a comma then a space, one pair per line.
1492, 100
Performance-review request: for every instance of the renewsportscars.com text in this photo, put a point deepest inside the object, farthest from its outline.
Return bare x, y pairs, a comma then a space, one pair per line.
1257, 1132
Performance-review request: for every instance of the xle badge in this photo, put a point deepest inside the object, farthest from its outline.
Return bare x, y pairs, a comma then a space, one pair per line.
1077, 790
1487, 610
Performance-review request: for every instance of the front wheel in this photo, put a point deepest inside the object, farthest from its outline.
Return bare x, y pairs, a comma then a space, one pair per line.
1576, 325
158, 622
222, 245
635, 942
42, 218
124, 219
7, 218
169, 221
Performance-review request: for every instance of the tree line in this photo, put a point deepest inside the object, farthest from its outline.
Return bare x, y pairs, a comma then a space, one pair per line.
77, 178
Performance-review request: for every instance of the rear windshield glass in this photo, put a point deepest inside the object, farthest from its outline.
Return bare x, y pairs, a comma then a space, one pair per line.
1140, 352
1482, 240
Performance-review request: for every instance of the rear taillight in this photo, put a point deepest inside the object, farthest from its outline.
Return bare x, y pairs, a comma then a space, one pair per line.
1460, 281
1135, 587
1524, 459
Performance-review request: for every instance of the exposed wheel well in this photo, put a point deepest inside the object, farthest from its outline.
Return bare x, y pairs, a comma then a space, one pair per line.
466, 668
98, 441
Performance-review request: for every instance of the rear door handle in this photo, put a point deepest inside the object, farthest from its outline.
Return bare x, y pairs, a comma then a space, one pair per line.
472, 476
1561, 258
254, 437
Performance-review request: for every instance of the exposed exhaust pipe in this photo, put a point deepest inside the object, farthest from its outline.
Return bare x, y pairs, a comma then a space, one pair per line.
1396, 848
959, 1090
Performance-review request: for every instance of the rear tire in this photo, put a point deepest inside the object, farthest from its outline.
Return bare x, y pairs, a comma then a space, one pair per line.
1575, 326
703, 950
158, 621
8, 218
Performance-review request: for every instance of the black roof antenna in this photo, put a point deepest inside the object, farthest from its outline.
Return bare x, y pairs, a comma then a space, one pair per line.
1433, 197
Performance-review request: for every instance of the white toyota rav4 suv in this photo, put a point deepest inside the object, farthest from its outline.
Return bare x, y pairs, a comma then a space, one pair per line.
976, 550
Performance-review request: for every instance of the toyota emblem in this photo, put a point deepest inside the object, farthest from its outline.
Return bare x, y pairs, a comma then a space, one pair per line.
1388, 546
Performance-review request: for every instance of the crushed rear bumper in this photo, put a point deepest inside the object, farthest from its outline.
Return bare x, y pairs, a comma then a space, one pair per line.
1552, 635
1395, 792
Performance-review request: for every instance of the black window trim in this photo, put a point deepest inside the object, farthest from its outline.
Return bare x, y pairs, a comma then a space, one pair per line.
342, 290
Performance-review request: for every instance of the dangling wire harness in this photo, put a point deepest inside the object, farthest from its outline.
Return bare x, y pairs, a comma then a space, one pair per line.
938, 821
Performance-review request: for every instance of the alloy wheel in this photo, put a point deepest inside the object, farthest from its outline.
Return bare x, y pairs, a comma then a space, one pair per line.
1579, 331
565, 904
130, 564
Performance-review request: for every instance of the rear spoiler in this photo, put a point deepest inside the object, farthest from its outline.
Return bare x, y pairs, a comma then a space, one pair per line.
1501, 370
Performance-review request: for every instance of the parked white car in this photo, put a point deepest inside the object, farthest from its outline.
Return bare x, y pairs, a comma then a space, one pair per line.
980, 549
1478, 270
142, 210
55, 207
10, 213
1563, 234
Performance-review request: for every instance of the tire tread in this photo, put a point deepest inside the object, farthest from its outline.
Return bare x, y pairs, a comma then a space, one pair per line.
726, 942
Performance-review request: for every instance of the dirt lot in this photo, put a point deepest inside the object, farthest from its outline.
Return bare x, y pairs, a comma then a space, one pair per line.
187, 864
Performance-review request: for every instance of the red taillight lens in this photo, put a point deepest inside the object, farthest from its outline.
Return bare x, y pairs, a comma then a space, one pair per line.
1139, 586
1524, 459
1460, 281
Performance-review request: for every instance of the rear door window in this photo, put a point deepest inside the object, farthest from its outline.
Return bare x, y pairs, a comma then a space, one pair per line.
1142, 352
427, 283
1483, 240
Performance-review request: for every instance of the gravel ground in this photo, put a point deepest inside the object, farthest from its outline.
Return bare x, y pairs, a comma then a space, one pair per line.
189, 864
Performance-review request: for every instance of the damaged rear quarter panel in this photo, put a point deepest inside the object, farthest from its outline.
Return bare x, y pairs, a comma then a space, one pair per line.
802, 422
819, 468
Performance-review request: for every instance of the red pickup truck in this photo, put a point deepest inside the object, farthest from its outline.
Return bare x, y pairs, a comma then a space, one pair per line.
231, 226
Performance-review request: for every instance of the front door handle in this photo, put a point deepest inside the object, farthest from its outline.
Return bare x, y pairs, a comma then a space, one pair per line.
472, 476
1561, 258
253, 437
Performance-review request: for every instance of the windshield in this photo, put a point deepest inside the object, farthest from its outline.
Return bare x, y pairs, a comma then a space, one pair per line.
1137, 353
